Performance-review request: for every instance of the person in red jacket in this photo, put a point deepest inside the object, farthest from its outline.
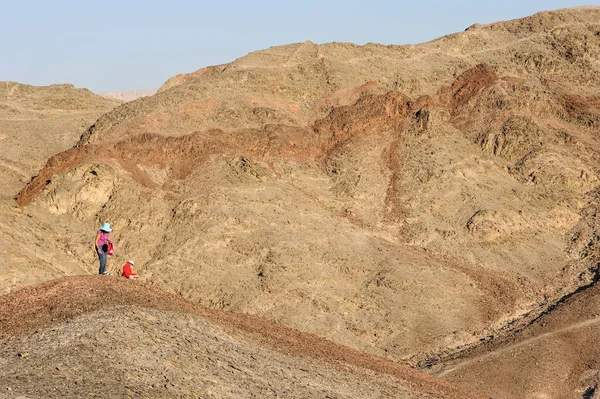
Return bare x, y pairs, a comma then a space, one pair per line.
128, 270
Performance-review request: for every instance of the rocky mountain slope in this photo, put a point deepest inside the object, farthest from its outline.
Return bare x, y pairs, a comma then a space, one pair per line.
407, 201
36, 123
108, 337
559, 347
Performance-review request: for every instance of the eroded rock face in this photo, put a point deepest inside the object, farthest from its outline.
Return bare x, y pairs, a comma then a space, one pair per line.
81, 192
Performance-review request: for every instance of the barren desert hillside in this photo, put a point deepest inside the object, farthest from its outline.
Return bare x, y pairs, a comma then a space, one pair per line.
36, 123
93, 336
412, 202
554, 355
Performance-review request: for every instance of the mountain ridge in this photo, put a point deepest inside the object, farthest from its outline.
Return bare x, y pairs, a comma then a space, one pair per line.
129, 95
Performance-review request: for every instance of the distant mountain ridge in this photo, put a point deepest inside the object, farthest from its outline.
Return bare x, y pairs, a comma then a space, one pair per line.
130, 95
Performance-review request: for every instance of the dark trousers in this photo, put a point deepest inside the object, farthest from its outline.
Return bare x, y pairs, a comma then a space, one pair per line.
102, 258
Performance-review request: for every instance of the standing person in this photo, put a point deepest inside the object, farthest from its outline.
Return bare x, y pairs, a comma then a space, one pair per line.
101, 244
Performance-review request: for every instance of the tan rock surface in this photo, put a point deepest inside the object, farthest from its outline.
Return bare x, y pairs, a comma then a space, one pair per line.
553, 357
36, 123
109, 337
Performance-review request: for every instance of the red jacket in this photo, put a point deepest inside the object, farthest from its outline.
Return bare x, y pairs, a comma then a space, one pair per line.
127, 270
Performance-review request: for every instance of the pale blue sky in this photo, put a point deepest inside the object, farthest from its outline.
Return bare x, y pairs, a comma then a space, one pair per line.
117, 45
